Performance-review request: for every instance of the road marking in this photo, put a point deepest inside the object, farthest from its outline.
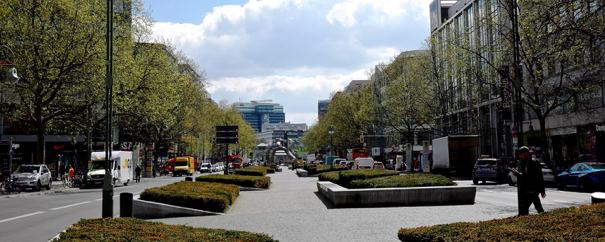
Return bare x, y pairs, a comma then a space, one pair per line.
18, 217
561, 201
75, 204
98, 199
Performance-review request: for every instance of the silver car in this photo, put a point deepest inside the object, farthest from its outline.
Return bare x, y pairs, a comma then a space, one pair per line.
547, 173
33, 176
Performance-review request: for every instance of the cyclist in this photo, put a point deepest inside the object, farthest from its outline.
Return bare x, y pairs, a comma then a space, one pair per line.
70, 175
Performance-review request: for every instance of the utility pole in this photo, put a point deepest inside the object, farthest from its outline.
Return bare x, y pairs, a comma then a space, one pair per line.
107, 204
517, 77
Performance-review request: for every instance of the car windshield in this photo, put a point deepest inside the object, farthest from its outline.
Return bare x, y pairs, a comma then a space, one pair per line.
181, 163
236, 160
486, 162
97, 165
205, 165
597, 166
27, 169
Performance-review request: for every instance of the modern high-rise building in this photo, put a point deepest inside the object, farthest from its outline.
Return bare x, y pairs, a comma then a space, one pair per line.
257, 113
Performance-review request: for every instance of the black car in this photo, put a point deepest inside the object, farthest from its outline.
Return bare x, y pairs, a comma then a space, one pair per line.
489, 169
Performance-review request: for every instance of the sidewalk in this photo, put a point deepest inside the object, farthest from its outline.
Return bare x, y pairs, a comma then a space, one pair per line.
293, 210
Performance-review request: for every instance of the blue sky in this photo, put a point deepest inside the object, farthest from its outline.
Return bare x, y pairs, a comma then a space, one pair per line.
294, 52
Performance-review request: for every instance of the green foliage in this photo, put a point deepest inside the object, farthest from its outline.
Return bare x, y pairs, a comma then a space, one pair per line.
244, 181
265, 168
251, 172
214, 197
346, 177
412, 180
327, 168
132, 229
331, 176
583, 223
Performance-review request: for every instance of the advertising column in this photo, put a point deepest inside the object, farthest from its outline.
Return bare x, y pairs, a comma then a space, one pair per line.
148, 164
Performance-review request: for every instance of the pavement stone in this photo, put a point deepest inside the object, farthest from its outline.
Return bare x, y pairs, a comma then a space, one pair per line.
293, 210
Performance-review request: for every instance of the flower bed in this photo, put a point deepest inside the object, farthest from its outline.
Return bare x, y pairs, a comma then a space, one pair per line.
214, 197
583, 223
131, 229
413, 180
244, 181
251, 172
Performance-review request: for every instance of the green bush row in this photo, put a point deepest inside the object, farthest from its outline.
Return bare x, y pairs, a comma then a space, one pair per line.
214, 197
132, 229
251, 172
266, 168
583, 223
328, 168
244, 181
331, 176
414, 180
345, 177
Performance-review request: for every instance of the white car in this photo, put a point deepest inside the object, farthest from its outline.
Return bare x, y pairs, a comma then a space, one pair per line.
206, 167
33, 176
549, 176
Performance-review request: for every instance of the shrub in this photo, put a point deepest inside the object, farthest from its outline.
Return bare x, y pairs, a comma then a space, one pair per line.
327, 168
198, 195
244, 181
345, 177
251, 172
329, 176
132, 229
415, 180
583, 223
266, 168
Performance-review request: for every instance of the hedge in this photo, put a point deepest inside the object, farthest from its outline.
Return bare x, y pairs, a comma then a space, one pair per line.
132, 229
329, 176
266, 168
327, 168
244, 181
345, 177
214, 197
251, 172
583, 223
414, 180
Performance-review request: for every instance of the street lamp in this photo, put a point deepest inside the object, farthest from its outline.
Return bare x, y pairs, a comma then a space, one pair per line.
331, 131
12, 76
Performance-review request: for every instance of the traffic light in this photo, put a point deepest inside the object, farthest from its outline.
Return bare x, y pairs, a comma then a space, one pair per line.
361, 139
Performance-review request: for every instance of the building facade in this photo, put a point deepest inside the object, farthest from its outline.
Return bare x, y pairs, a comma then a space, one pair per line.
259, 113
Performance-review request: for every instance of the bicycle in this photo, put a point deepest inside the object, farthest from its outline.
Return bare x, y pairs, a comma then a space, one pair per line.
67, 182
9, 186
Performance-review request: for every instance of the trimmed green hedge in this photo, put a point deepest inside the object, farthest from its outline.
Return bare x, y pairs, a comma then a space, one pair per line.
251, 172
132, 229
266, 168
214, 197
329, 176
345, 177
413, 180
583, 223
327, 168
244, 181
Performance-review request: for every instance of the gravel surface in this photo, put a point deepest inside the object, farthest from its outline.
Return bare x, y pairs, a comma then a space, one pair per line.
293, 210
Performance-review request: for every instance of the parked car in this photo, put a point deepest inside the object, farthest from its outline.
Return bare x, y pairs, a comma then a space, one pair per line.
547, 173
488, 169
33, 176
584, 176
206, 167
378, 165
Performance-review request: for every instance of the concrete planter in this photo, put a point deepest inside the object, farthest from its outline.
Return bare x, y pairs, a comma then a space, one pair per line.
405, 196
150, 210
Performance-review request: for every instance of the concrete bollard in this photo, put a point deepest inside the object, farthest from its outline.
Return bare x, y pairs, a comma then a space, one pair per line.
597, 197
188, 178
126, 209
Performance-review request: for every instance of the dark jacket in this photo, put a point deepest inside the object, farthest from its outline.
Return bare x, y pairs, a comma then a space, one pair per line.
532, 178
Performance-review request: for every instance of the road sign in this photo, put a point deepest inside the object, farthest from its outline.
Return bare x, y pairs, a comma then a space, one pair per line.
227, 134
375, 151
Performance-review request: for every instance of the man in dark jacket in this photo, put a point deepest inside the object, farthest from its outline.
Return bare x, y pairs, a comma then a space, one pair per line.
532, 182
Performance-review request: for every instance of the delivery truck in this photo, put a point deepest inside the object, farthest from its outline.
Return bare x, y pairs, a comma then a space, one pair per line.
455, 154
183, 166
120, 166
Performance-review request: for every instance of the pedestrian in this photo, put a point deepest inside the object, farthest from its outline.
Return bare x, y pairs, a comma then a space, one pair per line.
137, 170
415, 165
532, 182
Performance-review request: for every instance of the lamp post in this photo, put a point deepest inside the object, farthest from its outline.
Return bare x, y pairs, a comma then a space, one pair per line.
12, 76
331, 131
107, 204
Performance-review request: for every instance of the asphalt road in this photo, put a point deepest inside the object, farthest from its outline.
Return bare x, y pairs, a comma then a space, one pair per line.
291, 210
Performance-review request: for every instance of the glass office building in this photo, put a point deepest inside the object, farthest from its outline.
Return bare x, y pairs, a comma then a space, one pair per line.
257, 114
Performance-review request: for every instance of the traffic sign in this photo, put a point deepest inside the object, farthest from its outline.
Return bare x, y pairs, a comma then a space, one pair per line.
375, 151
227, 134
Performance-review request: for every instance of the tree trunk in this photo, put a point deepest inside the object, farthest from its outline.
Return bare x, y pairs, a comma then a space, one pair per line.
40, 144
544, 143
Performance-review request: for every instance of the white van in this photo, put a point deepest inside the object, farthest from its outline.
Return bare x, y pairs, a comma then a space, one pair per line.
121, 168
363, 163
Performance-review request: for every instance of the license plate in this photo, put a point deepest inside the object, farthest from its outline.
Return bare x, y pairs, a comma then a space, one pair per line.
97, 182
485, 169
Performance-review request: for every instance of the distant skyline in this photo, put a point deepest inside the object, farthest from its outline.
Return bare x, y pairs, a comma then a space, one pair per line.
294, 52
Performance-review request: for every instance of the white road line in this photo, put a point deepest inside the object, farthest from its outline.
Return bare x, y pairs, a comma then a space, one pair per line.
98, 199
75, 204
18, 217
561, 201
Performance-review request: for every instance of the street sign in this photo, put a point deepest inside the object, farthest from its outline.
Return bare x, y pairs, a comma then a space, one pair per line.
227, 134
375, 151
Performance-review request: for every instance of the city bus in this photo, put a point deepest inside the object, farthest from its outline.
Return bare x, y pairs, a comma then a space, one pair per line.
359, 153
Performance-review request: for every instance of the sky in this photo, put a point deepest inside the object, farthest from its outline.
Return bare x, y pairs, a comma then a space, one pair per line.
294, 52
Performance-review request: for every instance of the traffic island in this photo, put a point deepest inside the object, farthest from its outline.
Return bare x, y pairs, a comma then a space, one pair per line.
399, 196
